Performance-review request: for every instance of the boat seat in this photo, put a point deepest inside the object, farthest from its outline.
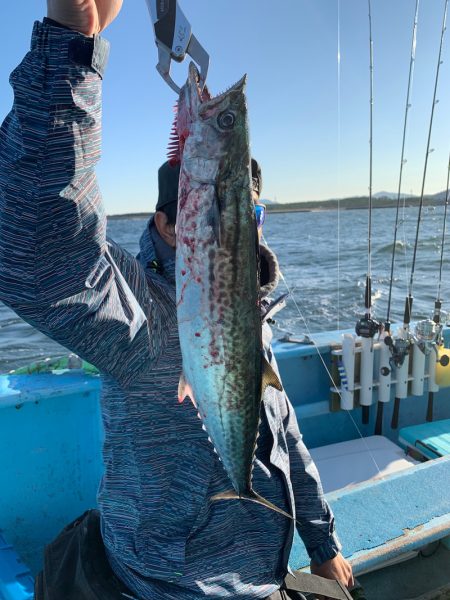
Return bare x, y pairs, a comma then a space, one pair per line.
366, 459
431, 440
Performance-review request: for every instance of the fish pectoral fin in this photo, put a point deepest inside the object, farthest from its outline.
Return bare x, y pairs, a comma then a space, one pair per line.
269, 377
252, 496
184, 389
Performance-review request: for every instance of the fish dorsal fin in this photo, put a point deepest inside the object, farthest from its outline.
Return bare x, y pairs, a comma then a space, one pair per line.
269, 377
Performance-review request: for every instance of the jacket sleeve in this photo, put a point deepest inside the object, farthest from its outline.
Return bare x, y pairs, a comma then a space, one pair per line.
315, 521
56, 270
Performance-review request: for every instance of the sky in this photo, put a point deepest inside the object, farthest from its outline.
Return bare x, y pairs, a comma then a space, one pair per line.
308, 112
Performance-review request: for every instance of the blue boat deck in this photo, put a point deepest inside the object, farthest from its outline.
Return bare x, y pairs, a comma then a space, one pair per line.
50, 466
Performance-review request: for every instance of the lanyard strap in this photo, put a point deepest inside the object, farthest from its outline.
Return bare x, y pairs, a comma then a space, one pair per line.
313, 584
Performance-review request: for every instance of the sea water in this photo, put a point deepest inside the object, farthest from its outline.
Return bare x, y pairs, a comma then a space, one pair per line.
323, 258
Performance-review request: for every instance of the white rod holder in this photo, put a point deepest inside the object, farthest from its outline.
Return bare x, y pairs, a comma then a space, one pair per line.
348, 367
418, 371
366, 374
401, 375
384, 372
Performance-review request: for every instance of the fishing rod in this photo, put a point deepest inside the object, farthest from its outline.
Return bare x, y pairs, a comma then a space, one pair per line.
444, 359
393, 353
366, 326
425, 330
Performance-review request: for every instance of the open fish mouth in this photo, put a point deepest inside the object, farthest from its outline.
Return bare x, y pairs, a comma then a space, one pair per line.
204, 96
193, 104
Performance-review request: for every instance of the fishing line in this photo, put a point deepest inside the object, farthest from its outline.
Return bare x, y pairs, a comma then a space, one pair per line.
405, 241
339, 163
437, 317
369, 233
438, 294
428, 151
402, 346
330, 376
399, 347
402, 159
367, 327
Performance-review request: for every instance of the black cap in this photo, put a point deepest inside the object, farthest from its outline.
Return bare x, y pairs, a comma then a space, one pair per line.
169, 175
256, 177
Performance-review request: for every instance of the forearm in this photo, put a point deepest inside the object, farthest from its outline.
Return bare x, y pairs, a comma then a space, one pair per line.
52, 222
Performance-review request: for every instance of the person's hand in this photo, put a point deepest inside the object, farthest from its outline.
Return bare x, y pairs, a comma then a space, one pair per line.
86, 16
337, 568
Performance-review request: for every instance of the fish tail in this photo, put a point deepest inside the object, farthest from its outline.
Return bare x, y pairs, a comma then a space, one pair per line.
252, 496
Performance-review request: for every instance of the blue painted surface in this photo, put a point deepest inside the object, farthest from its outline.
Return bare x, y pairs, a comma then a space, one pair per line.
372, 514
50, 459
430, 439
16, 581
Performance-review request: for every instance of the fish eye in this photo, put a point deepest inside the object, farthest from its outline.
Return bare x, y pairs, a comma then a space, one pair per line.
226, 119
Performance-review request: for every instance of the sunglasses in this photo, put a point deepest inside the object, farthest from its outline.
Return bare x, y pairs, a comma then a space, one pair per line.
260, 214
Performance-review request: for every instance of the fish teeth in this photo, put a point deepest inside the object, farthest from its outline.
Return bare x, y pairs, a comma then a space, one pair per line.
204, 428
173, 149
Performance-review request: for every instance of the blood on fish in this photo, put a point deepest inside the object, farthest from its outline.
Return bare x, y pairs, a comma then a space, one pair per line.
197, 334
190, 242
183, 272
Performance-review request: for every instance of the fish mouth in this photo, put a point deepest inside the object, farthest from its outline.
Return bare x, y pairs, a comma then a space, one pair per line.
204, 97
194, 103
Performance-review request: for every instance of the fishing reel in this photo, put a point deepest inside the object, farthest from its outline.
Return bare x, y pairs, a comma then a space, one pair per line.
426, 333
429, 335
367, 327
399, 349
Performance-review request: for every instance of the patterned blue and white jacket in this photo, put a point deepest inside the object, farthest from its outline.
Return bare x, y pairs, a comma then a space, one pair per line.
164, 538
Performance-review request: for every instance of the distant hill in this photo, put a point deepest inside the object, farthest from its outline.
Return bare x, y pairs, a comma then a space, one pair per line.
440, 197
356, 202
391, 195
379, 200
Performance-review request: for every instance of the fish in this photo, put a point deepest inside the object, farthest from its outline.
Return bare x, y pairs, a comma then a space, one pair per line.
225, 372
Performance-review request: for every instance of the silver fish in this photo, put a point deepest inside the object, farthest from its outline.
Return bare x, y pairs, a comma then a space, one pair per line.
217, 278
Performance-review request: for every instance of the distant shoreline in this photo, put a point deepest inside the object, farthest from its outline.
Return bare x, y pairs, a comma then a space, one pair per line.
359, 203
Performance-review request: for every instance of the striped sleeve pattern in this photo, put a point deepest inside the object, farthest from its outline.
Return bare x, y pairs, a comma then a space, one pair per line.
56, 270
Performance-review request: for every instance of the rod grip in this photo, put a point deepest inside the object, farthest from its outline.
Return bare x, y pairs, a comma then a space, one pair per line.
395, 413
368, 293
408, 309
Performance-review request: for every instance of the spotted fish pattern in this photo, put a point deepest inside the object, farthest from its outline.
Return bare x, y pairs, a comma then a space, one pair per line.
217, 276
58, 271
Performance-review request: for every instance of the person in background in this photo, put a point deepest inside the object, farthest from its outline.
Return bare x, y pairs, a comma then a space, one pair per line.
155, 535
